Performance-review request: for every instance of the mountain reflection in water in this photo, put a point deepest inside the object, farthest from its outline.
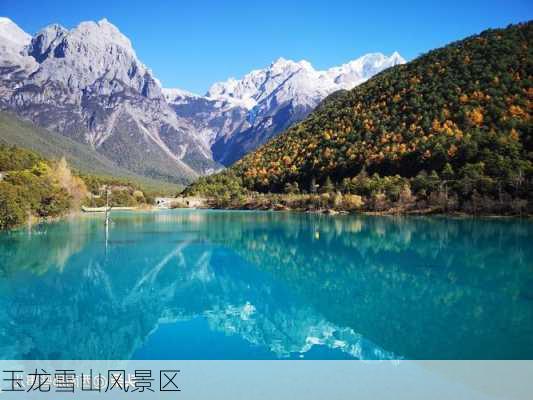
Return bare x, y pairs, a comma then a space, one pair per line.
230, 284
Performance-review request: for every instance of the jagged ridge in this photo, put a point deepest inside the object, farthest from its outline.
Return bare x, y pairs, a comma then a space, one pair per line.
88, 84
237, 116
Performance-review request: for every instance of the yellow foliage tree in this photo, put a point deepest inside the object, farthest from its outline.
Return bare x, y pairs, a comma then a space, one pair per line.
74, 185
476, 116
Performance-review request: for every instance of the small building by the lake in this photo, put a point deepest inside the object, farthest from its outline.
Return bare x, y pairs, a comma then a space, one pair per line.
180, 202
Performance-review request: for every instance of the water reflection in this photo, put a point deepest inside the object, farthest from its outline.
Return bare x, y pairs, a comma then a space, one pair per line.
361, 287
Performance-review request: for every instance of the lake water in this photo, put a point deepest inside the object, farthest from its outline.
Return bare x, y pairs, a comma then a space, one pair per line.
190, 284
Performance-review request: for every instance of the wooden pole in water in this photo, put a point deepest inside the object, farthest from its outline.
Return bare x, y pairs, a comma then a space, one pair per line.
106, 206
106, 216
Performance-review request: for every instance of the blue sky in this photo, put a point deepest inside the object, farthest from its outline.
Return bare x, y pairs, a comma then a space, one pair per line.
191, 44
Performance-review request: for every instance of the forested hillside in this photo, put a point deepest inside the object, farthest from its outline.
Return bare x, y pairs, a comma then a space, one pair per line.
452, 126
30, 186
35, 188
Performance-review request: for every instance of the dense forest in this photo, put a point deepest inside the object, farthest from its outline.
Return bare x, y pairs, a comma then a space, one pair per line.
32, 187
448, 131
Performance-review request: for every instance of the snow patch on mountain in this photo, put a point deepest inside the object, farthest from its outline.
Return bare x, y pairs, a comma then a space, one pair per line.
11, 34
13, 42
178, 95
289, 79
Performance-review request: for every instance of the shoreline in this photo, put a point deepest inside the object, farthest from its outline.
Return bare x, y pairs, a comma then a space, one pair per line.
35, 221
347, 203
333, 212
329, 212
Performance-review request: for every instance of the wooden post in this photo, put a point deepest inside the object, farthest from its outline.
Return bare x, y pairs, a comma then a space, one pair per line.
106, 218
106, 207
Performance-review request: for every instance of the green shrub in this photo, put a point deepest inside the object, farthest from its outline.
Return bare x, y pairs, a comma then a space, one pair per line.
11, 211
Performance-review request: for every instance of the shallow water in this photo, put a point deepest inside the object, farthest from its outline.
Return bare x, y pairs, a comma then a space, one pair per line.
191, 284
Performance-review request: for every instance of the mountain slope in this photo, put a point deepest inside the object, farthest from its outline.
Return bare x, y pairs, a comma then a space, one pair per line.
52, 145
88, 84
237, 116
462, 111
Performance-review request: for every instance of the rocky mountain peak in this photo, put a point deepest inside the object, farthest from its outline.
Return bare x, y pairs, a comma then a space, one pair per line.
88, 84
89, 53
13, 44
281, 64
285, 78
44, 42
11, 35
103, 34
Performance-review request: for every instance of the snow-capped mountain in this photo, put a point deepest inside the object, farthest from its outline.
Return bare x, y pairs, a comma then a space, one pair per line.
87, 83
237, 116
287, 80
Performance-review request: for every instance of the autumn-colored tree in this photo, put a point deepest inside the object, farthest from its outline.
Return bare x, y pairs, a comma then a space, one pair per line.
476, 116
73, 185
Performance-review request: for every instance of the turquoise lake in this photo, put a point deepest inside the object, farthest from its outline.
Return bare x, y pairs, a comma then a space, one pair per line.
201, 284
